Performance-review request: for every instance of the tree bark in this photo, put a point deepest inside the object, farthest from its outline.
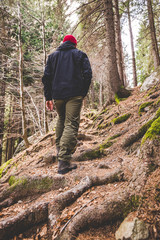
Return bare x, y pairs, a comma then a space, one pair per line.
112, 77
2, 110
153, 35
101, 92
24, 128
132, 46
119, 51
44, 63
2, 89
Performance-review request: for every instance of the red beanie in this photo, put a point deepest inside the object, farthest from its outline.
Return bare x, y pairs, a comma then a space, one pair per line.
70, 38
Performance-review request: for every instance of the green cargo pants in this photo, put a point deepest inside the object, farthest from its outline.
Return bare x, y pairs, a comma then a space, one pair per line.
67, 126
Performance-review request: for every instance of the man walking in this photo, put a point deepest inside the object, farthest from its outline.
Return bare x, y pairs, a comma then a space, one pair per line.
66, 80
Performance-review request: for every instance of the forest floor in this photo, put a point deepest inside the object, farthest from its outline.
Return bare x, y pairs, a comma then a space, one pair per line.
30, 185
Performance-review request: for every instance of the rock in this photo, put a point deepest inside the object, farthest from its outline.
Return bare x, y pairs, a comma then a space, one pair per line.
132, 228
150, 81
49, 157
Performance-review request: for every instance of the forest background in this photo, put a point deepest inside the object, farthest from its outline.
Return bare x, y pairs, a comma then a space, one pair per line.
30, 30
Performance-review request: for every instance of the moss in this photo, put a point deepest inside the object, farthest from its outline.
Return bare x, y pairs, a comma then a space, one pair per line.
117, 98
144, 128
153, 131
92, 154
24, 184
44, 183
106, 144
104, 111
158, 102
12, 180
158, 113
143, 106
4, 167
90, 115
114, 136
121, 119
104, 125
132, 205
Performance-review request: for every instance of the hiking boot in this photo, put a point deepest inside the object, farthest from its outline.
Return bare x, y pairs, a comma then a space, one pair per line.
64, 167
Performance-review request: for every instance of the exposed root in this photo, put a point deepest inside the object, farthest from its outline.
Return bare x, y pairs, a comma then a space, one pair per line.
23, 221
34, 215
65, 199
94, 216
27, 186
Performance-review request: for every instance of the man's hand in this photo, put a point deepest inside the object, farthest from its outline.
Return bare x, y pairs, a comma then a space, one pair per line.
49, 105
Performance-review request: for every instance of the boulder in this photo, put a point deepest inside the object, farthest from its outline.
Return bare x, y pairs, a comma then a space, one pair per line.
151, 80
132, 228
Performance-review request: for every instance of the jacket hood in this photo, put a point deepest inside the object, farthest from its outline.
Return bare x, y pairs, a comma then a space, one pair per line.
66, 46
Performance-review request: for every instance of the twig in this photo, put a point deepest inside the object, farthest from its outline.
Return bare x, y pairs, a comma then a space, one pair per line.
76, 214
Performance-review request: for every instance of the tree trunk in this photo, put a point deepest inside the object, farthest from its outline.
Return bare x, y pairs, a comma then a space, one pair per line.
112, 77
2, 110
93, 103
24, 128
2, 89
132, 47
153, 35
44, 63
119, 51
101, 92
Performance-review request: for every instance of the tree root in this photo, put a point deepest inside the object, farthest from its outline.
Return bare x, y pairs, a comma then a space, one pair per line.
68, 197
44, 210
27, 186
23, 221
94, 216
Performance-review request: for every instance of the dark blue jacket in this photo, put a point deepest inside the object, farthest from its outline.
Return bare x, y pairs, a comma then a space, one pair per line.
67, 73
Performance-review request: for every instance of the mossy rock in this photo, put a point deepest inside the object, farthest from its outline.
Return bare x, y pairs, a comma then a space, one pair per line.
4, 168
121, 119
153, 131
143, 106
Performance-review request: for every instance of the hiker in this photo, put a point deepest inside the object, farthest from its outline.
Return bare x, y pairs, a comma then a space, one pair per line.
67, 77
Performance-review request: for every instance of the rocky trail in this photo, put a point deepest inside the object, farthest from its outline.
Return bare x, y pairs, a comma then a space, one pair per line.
118, 177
